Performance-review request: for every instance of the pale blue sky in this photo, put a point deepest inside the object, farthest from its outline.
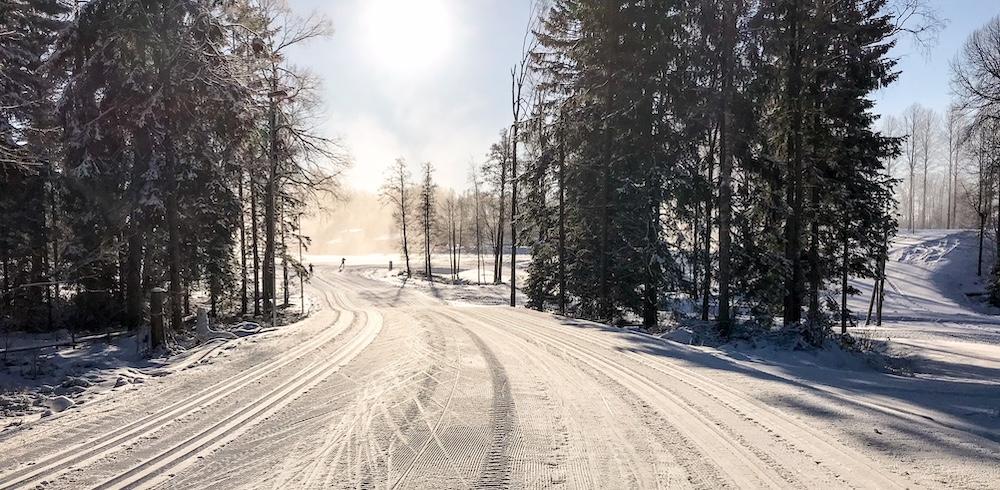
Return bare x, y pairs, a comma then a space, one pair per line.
926, 77
385, 101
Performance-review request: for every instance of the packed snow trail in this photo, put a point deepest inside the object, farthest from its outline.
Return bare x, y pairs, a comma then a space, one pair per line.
388, 387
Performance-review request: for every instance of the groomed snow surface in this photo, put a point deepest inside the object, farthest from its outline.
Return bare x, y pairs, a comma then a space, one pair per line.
404, 384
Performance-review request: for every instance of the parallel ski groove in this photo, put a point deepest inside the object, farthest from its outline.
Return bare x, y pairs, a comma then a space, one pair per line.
92, 449
230, 427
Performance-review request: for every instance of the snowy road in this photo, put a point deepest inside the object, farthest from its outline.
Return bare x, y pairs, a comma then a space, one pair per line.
386, 387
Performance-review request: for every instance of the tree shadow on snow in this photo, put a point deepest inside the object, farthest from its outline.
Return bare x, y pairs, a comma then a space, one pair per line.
969, 407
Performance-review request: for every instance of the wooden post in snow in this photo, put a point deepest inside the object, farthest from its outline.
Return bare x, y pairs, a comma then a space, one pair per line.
156, 334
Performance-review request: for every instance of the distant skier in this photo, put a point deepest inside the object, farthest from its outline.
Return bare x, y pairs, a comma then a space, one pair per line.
310, 269
343, 262
390, 265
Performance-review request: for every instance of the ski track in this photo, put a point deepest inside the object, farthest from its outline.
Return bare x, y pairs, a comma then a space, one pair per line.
747, 460
390, 388
93, 448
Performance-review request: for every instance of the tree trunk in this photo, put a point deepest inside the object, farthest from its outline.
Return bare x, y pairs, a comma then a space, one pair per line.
604, 299
513, 212
650, 303
173, 233
402, 213
954, 195
270, 191
815, 277
725, 167
706, 284
562, 215
923, 201
696, 251
54, 264
949, 189
979, 259
256, 245
913, 175
302, 285
793, 235
243, 248
458, 251
871, 302
426, 205
479, 236
604, 291
284, 257
843, 286
136, 232
498, 246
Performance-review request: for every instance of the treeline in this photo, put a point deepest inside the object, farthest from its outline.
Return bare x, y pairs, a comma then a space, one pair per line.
723, 153
145, 144
937, 166
976, 84
431, 220
722, 148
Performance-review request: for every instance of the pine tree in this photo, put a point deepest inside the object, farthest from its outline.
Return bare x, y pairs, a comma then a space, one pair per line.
27, 164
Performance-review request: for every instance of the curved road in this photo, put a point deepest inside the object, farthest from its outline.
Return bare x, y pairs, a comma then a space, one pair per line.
389, 388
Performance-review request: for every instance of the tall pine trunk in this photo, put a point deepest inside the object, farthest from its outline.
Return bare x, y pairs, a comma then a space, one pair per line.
243, 247
136, 231
284, 258
725, 166
270, 197
793, 232
256, 244
562, 215
706, 283
173, 233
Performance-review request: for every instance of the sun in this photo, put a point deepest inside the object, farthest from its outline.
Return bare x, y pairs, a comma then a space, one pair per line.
407, 36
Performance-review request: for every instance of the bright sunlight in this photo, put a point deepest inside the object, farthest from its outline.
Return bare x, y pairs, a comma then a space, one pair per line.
407, 36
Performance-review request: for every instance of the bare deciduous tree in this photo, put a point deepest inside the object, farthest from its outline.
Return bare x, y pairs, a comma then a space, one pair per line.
976, 72
395, 192
427, 214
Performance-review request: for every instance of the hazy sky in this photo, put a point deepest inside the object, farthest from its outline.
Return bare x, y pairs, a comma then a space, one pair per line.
429, 79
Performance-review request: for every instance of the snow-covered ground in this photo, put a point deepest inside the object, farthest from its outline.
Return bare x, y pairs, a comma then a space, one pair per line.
935, 311
473, 286
394, 384
45, 374
43, 382
937, 348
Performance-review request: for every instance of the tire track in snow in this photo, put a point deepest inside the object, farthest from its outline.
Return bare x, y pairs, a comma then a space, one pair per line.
495, 469
707, 432
697, 470
789, 433
495, 472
